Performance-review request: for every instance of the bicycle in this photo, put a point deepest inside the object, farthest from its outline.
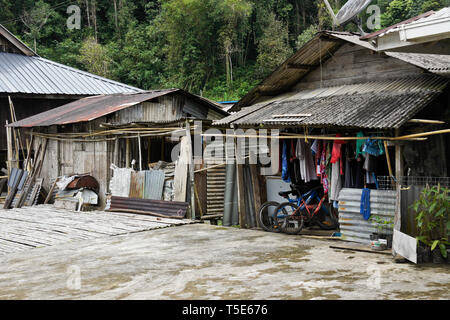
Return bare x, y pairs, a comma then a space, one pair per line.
290, 217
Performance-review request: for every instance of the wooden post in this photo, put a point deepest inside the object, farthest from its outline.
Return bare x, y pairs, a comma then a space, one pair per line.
241, 186
399, 168
256, 185
191, 169
140, 152
10, 152
128, 153
116, 152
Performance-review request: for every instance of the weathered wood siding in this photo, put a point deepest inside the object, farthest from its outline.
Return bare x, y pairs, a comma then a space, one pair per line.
168, 108
6, 46
354, 64
164, 109
73, 157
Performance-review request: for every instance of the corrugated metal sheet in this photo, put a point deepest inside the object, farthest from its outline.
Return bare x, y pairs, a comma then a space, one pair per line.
137, 185
154, 184
92, 108
120, 182
88, 109
36, 75
381, 104
152, 207
215, 188
352, 224
434, 63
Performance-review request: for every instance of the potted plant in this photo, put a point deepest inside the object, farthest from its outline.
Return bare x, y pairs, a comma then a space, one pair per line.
432, 210
384, 230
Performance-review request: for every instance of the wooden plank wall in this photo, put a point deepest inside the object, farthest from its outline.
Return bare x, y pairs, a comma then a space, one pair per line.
354, 64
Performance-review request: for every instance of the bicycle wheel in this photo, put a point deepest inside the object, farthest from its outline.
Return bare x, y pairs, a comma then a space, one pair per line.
289, 219
327, 218
265, 216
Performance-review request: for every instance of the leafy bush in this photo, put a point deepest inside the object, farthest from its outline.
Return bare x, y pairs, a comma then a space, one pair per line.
432, 209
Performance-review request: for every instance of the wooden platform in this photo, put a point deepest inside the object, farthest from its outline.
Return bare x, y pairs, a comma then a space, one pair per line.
40, 226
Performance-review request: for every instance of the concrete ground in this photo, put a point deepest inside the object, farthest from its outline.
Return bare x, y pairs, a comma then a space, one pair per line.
209, 262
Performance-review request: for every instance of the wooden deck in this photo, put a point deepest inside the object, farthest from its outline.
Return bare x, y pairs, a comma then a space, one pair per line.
41, 226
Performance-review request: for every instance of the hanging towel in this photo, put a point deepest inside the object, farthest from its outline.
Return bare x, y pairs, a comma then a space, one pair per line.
365, 204
359, 144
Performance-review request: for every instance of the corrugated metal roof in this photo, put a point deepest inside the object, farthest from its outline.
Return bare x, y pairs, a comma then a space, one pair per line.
378, 104
435, 63
427, 17
36, 75
91, 108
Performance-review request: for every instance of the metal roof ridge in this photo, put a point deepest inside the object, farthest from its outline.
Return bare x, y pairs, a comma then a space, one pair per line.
91, 75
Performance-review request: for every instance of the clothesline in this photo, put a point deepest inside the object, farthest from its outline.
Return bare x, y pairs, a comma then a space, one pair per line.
417, 136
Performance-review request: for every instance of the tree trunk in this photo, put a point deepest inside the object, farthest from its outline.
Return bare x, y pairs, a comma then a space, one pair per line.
87, 12
115, 15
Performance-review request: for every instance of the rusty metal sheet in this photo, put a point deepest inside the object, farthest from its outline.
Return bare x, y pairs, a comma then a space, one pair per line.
137, 185
87, 182
158, 208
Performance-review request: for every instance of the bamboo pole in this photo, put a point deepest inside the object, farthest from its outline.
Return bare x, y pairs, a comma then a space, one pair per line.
302, 136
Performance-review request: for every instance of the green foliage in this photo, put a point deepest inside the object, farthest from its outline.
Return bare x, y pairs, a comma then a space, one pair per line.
273, 47
94, 57
382, 224
400, 10
306, 36
432, 209
219, 47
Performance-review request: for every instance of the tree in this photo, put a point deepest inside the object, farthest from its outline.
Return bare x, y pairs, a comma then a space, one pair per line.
235, 14
94, 57
35, 19
273, 48
307, 35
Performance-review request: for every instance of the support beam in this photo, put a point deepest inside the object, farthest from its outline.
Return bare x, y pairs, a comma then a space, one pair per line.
140, 152
191, 169
399, 168
128, 154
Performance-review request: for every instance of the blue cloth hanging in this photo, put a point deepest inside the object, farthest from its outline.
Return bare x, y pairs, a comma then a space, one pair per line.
365, 204
284, 164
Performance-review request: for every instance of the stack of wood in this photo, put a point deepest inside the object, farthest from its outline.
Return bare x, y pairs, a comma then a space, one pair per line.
24, 186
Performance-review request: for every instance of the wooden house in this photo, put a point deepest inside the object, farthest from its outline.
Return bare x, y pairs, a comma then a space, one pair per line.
341, 83
35, 84
88, 135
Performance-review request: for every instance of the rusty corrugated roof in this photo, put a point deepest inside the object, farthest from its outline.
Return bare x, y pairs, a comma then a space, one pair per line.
88, 109
377, 104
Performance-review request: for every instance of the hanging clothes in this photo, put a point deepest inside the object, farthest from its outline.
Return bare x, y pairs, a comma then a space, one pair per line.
293, 164
359, 144
359, 175
315, 147
373, 147
350, 167
336, 181
323, 167
284, 164
306, 160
